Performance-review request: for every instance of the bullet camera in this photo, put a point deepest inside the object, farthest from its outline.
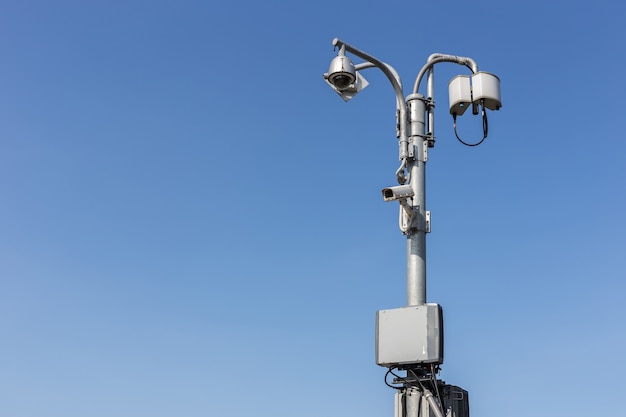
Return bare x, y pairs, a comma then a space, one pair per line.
400, 192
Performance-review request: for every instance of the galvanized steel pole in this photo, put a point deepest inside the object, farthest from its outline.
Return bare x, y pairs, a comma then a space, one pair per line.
416, 235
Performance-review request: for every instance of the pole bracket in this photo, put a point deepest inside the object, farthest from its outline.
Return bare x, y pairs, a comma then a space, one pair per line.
415, 147
411, 221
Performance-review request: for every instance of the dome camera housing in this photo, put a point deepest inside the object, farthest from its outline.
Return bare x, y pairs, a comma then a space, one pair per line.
341, 72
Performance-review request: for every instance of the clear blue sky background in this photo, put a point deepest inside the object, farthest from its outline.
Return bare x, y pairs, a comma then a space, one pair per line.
191, 221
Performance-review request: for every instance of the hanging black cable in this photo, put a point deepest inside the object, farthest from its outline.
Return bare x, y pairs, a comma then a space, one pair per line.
393, 373
485, 128
390, 371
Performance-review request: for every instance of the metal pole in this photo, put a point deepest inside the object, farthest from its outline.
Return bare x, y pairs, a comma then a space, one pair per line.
416, 234
412, 403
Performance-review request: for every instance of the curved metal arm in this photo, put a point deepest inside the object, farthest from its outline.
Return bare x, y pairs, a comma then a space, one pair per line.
436, 58
367, 64
396, 83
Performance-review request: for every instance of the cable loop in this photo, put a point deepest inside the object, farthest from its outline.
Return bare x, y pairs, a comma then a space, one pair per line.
485, 128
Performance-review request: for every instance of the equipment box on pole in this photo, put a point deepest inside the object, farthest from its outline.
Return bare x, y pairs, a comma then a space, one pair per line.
409, 335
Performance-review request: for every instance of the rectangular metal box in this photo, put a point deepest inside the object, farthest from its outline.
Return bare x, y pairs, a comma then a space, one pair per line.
455, 401
409, 335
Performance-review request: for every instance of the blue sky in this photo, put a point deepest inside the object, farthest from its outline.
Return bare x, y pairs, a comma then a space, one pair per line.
191, 221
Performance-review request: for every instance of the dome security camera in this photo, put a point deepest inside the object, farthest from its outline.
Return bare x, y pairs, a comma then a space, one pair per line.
341, 72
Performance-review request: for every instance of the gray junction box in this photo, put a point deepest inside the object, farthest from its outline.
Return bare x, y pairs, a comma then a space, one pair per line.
409, 336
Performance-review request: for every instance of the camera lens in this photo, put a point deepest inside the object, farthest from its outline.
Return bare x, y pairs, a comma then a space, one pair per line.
342, 81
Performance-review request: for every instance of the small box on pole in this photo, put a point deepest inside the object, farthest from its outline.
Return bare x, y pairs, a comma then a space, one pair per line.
409, 336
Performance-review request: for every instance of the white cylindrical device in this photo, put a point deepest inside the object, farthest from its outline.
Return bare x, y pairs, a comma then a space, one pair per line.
486, 89
460, 94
